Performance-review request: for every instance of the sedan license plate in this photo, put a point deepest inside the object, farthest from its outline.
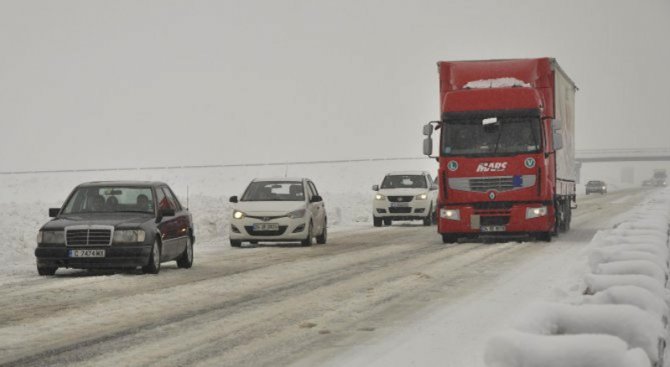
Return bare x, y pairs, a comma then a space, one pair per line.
399, 205
86, 253
493, 228
266, 227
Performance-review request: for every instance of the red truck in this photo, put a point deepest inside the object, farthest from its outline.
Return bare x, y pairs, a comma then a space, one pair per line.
506, 149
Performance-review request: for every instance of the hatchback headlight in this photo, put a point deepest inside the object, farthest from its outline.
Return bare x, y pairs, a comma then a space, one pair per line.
421, 197
380, 197
536, 212
451, 214
238, 214
296, 214
51, 237
129, 236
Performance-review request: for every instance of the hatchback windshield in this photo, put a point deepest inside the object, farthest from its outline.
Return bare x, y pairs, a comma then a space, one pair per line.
274, 191
404, 182
98, 199
504, 136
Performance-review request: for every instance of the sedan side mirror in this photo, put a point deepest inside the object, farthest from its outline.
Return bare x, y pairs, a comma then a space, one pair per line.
233, 199
53, 212
316, 199
375, 187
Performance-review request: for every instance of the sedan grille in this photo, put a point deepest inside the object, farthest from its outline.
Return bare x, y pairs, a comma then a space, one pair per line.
93, 236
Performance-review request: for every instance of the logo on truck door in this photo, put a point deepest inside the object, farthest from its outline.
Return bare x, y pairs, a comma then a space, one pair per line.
492, 167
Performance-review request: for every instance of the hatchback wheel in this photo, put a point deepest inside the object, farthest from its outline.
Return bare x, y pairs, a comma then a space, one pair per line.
185, 261
154, 265
310, 236
321, 239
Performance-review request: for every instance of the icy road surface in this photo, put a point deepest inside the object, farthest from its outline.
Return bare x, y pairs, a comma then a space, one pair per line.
372, 296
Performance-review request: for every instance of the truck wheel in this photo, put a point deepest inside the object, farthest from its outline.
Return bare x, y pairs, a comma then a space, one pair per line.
235, 243
449, 238
154, 266
388, 222
544, 237
46, 270
377, 222
185, 261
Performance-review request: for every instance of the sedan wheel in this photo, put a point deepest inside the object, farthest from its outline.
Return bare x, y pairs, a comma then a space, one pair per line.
154, 265
185, 261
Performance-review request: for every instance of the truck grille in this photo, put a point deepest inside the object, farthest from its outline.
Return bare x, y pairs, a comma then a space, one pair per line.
400, 199
493, 220
93, 236
496, 183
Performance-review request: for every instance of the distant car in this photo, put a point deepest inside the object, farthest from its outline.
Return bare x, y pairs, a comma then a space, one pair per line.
596, 186
279, 210
116, 225
405, 196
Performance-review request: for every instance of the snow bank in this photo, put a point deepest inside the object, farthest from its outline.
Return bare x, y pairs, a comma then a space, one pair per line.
496, 83
623, 312
518, 349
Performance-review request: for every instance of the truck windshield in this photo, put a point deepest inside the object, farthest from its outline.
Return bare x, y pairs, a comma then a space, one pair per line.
509, 135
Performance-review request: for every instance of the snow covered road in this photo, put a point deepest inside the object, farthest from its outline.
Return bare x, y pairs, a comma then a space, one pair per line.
371, 296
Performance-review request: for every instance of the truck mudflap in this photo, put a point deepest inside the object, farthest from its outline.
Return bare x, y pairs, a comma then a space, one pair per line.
515, 219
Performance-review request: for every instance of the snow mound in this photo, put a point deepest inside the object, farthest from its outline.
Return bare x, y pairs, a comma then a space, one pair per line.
496, 83
630, 295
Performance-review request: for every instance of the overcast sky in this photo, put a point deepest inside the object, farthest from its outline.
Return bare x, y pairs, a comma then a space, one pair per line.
97, 84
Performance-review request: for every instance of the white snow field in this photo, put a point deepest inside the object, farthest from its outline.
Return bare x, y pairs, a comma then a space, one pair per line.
390, 296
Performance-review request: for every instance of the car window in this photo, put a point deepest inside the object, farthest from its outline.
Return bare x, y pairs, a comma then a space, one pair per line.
430, 179
94, 199
169, 199
310, 193
161, 200
404, 182
274, 191
172, 197
313, 187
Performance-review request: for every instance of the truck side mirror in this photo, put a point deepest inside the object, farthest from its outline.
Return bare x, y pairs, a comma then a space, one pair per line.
556, 124
375, 187
428, 146
558, 141
428, 129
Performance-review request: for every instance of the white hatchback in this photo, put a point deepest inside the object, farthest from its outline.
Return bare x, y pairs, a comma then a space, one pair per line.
279, 210
408, 195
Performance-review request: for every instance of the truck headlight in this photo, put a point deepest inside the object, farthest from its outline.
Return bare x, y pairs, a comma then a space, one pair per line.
451, 214
238, 214
421, 197
296, 214
51, 237
129, 236
380, 197
536, 212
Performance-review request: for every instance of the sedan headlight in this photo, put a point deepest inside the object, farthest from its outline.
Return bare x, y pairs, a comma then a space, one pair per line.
380, 197
536, 212
296, 214
129, 236
238, 214
51, 237
451, 214
421, 197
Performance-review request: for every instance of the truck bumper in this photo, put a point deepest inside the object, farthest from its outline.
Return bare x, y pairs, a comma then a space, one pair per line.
491, 222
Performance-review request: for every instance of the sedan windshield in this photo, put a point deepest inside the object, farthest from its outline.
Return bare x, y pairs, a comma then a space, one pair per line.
404, 182
274, 191
98, 199
510, 135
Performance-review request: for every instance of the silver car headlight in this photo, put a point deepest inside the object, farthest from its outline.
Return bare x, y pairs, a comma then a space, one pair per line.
51, 237
380, 197
296, 214
536, 212
451, 214
421, 197
238, 214
129, 236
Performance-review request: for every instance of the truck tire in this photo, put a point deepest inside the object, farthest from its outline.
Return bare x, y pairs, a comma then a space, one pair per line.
377, 222
449, 238
544, 236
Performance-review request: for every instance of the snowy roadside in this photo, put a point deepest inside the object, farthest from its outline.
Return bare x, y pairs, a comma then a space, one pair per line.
618, 317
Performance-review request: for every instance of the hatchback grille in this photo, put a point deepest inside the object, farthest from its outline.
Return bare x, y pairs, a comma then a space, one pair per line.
250, 230
400, 199
88, 236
